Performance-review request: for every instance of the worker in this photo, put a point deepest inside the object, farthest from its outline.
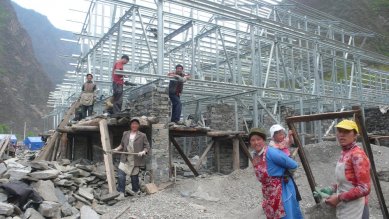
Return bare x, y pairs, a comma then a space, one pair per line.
88, 96
350, 194
135, 142
117, 84
175, 90
283, 142
279, 139
279, 195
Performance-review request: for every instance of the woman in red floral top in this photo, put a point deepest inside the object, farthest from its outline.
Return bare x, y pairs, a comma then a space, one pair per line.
352, 175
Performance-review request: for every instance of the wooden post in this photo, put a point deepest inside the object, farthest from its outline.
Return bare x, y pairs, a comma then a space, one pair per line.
373, 173
245, 149
198, 165
105, 141
217, 155
235, 154
183, 155
304, 160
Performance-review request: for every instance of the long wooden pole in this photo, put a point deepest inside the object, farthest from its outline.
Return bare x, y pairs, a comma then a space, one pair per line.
107, 157
373, 173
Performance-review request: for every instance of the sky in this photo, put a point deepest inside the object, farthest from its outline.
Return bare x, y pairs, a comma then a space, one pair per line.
59, 12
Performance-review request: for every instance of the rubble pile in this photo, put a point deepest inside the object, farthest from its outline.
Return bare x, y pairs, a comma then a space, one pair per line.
51, 189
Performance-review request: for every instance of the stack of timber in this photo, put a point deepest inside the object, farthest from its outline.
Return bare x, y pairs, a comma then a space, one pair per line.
4, 144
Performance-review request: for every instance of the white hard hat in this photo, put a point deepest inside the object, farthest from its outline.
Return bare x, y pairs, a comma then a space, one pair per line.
275, 128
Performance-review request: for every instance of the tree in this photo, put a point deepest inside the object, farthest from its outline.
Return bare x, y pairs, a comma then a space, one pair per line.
4, 128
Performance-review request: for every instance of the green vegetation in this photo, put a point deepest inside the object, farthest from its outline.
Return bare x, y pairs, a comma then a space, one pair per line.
4, 129
31, 134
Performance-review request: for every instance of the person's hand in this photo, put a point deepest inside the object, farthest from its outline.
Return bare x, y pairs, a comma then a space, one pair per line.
333, 200
290, 132
179, 78
142, 153
327, 190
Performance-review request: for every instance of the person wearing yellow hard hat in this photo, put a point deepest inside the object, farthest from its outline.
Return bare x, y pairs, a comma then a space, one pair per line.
279, 194
350, 194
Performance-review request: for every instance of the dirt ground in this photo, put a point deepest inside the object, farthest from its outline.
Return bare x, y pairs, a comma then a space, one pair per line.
238, 195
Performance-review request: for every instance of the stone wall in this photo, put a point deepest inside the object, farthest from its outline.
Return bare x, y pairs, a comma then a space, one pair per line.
222, 117
226, 158
376, 122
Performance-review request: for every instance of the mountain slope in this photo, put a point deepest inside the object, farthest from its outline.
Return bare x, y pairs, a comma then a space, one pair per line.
24, 86
370, 14
50, 53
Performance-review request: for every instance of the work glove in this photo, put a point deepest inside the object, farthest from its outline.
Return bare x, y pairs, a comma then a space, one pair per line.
322, 193
179, 78
142, 153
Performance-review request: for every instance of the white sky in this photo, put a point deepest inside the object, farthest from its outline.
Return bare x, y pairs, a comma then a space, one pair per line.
61, 13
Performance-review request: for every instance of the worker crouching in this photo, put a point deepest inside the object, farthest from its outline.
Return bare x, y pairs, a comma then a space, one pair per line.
136, 144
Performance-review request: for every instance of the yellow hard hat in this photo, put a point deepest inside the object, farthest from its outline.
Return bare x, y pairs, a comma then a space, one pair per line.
348, 125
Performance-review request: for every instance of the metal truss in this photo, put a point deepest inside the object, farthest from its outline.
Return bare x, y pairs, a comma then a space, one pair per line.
260, 55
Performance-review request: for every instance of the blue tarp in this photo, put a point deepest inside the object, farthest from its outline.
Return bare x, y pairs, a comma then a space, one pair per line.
33, 143
14, 140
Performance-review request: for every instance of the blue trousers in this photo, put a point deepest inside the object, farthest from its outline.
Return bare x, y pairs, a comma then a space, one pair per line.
176, 107
117, 97
122, 182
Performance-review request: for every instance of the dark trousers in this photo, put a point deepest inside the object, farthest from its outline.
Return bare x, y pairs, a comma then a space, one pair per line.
176, 107
117, 97
122, 182
86, 111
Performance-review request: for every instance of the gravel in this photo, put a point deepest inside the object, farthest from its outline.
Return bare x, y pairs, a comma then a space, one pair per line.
239, 195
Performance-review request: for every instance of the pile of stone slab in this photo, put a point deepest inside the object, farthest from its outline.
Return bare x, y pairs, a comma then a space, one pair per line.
65, 189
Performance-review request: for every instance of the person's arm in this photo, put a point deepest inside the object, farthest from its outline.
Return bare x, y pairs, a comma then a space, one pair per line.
290, 136
118, 148
171, 74
83, 87
282, 160
362, 186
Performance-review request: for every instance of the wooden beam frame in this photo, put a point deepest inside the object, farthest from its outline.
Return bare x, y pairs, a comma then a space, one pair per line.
356, 112
209, 146
177, 146
106, 144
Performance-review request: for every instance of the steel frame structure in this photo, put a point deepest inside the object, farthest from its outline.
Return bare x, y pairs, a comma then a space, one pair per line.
255, 54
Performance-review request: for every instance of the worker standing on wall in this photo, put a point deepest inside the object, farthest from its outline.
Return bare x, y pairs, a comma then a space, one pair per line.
88, 96
117, 84
175, 90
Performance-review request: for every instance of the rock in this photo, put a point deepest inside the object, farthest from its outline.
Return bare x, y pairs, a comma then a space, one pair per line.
40, 165
45, 174
65, 162
61, 197
100, 209
86, 193
88, 168
204, 195
65, 176
32, 214
63, 182
100, 175
6, 209
110, 196
4, 181
17, 174
45, 188
82, 199
66, 209
3, 197
198, 207
50, 209
88, 213
3, 168
83, 173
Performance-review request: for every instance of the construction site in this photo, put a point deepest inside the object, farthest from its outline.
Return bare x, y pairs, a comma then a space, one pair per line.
253, 63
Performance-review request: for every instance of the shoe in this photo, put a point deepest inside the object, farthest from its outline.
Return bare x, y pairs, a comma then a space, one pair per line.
180, 123
121, 196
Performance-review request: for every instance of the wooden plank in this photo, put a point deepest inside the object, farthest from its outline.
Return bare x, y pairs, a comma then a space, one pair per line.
244, 148
46, 151
224, 133
304, 160
217, 155
235, 154
4, 145
183, 155
209, 146
74, 129
366, 145
321, 116
105, 141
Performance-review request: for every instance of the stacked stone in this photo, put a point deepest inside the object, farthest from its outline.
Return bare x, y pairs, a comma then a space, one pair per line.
67, 190
226, 158
151, 100
376, 122
222, 117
